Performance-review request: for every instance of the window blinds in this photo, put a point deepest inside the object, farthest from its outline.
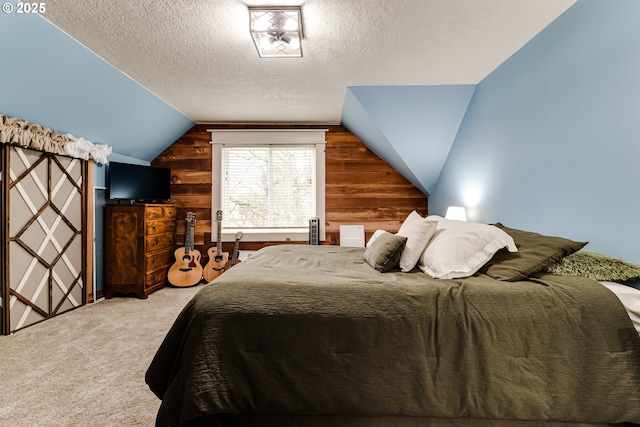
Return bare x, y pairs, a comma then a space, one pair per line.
268, 186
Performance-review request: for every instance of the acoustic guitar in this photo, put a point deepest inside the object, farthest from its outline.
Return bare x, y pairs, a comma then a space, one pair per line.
187, 270
218, 260
236, 252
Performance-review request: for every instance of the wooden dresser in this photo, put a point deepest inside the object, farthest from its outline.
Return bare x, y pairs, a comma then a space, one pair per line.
139, 243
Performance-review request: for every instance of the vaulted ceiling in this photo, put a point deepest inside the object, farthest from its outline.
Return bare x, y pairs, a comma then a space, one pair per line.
366, 63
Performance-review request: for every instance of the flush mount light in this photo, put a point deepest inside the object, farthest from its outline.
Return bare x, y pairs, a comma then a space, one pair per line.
276, 31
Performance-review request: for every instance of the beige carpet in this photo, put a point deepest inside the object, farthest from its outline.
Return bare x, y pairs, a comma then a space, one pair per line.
86, 367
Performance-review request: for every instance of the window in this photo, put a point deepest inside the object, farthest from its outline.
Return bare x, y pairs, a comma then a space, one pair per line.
268, 183
268, 186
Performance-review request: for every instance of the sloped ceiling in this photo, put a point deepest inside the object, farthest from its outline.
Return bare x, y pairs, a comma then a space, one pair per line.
411, 127
197, 60
49, 79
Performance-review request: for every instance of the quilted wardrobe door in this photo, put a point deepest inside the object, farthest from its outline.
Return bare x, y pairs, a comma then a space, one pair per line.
45, 215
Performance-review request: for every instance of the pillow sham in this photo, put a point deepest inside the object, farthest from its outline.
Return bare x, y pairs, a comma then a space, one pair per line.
418, 231
459, 248
595, 266
374, 236
535, 253
384, 252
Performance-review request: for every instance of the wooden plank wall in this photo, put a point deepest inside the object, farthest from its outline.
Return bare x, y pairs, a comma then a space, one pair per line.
360, 187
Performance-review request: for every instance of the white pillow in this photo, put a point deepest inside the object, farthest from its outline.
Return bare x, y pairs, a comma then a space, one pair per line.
418, 231
374, 236
459, 248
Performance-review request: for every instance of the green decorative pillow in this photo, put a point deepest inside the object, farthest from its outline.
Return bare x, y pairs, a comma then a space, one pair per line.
535, 253
385, 251
596, 266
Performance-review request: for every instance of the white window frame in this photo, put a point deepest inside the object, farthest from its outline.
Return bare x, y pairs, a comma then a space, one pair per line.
220, 137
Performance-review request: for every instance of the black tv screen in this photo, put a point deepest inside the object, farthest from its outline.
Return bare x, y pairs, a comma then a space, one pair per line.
138, 183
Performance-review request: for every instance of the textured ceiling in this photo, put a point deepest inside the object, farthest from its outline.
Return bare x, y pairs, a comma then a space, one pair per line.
198, 56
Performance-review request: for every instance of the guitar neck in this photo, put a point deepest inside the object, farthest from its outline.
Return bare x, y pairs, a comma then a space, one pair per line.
188, 239
219, 247
188, 243
234, 257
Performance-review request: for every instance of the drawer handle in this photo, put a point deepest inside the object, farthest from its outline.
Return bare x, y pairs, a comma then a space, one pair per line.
153, 243
153, 261
153, 227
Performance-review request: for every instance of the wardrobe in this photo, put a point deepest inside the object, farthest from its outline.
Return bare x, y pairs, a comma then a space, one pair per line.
45, 235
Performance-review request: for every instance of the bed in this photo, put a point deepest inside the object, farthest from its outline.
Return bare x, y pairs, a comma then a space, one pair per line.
302, 335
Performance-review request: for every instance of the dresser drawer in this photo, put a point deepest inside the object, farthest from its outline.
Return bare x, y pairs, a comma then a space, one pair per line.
160, 241
155, 277
153, 212
160, 259
159, 211
160, 226
169, 212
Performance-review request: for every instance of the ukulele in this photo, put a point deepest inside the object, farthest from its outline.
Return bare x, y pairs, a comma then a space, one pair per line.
187, 270
234, 257
218, 260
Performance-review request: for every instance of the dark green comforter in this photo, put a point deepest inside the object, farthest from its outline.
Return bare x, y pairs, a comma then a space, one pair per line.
315, 330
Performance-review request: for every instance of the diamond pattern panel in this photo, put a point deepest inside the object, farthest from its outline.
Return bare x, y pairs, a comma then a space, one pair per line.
45, 233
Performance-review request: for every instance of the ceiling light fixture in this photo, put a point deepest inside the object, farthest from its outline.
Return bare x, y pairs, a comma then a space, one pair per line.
276, 31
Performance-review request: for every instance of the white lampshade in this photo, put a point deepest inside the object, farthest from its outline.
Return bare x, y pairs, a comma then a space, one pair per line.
456, 212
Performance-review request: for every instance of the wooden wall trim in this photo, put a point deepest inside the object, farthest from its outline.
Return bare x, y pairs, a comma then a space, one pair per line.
89, 206
361, 188
5, 321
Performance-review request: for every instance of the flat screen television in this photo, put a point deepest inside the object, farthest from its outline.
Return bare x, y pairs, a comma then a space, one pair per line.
128, 183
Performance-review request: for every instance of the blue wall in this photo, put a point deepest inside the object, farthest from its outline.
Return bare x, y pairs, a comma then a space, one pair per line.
551, 139
50, 79
411, 127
